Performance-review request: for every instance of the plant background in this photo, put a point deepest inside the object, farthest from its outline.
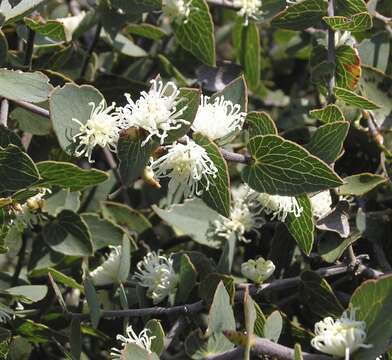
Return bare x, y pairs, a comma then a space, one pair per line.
298, 85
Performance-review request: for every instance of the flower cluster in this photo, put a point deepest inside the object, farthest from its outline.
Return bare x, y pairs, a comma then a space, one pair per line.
279, 206
258, 270
102, 128
321, 203
340, 337
177, 10
156, 273
109, 271
219, 118
249, 9
142, 340
244, 217
186, 164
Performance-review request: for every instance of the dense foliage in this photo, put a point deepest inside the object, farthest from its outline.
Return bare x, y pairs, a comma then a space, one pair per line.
195, 179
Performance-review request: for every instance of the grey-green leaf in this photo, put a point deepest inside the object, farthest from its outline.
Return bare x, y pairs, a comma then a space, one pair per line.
360, 184
92, 301
351, 98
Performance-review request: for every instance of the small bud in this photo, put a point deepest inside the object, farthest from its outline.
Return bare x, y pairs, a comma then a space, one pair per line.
258, 270
149, 178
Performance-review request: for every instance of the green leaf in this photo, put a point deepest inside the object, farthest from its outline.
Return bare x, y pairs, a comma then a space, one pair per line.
260, 123
69, 176
32, 87
103, 232
68, 234
218, 194
125, 45
51, 28
8, 137
302, 15
348, 67
128, 218
190, 98
157, 344
197, 34
302, 228
318, 295
64, 279
236, 91
298, 352
146, 30
186, 279
351, 98
373, 302
330, 114
20, 9
62, 200
327, 141
137, 6
75, 339
192, 218
273, 326
92, 301
17, 170
28, 293
3, 48
358, 22
350, 7
282, 167
209, 285
125, 260
260, 321
360, 184
133, 156
247, 45
331, 247
71, 102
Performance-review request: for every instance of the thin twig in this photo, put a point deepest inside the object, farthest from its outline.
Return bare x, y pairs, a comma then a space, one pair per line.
28, 61
33, 108
386, 20
4, 107
331, 53
26, 140
20, 262
90, 50
269, 348
153, 311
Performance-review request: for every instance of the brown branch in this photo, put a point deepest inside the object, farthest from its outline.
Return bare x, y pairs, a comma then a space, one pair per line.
269, 348
152, 311
33, 108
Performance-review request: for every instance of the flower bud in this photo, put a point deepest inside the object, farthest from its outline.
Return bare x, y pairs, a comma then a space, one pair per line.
258, 270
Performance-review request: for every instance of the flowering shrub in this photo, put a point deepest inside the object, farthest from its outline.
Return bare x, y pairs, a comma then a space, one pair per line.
195, 179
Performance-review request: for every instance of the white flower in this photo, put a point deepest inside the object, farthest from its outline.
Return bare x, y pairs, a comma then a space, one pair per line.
257, 270
156, 273
5, 313
109, 271
177, 9
218, 119
321, 203
142, 340
102, 128
280, 206
244, 216
248, 9
156, 111
340, 337
186, 165
344, 38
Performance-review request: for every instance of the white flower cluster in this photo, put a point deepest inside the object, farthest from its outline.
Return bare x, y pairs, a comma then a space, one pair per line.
244, 217
279, 206
142, 340
156, 273
249, 9
340, 337
257, 270
177, 10
219, 118
321, 203
109, 271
